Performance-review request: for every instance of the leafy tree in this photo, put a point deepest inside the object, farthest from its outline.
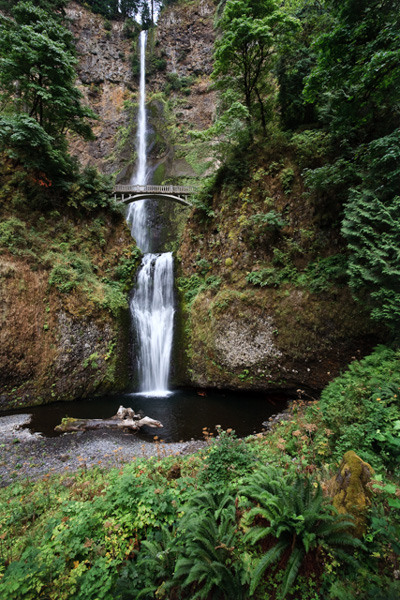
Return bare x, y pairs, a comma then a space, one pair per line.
106, 8
145, 16
355, 84
54, 6
371, 227
247, 50
25, 141
37, 91
128, 8
295, 62
356, 79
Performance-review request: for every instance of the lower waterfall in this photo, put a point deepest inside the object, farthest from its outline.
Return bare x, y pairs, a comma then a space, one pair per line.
152, 309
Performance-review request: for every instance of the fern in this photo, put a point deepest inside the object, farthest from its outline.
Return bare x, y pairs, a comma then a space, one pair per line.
208, 561
295, 515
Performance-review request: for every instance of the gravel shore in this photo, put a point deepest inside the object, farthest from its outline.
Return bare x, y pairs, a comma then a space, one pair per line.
24, 455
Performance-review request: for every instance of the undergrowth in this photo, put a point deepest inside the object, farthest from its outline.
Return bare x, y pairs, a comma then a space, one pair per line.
240, 519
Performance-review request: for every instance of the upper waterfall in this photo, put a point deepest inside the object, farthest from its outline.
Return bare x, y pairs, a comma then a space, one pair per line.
140, 177
137, 214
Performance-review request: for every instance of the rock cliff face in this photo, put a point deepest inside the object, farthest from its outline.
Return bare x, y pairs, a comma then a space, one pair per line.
63, 338
181, 100
263, 285
184, 39
179, 63
105, 78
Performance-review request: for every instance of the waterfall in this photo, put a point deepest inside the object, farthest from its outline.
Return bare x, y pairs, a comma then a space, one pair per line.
137, 217
152, 310
152, 304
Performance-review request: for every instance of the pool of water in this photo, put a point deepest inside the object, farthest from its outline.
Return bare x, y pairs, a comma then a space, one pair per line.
183, 413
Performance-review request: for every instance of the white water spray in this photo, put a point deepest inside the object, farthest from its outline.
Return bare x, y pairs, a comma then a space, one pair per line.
152, 305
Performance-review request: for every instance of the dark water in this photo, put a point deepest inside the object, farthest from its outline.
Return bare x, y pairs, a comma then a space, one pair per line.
183, 414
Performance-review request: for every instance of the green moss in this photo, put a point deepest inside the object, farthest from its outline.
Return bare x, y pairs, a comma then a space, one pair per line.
349, 488
159, 174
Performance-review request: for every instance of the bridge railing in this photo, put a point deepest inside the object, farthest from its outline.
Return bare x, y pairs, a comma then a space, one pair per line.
155, 189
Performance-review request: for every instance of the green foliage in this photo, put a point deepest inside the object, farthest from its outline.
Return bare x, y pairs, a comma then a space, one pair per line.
174, 83
131, 29
361, 409
37, 56
230, 138
152, 571
208, 562
267, 277
203, 266
158, 529
295, 62
246, 50
311, 146
193, 285
319, 275
355, 86
356, 75
112, 9
159, 64
227, 459
296, 517
91, 190
370, 225
126, 269
13, 234
262, 228
286, 178
24, 140
38, 60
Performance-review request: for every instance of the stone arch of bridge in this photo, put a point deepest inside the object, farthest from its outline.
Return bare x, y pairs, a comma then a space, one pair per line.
128, 198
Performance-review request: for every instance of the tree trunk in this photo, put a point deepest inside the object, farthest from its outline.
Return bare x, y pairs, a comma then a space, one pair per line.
124, 419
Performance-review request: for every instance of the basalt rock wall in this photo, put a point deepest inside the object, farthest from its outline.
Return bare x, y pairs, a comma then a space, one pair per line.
105, 78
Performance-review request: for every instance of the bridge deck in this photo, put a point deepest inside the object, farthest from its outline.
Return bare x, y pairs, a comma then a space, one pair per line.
124, 194
155, 189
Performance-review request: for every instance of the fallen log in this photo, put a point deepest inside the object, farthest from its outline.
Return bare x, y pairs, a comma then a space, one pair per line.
125, 418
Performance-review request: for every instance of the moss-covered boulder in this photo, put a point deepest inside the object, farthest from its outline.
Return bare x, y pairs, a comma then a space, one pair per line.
349, 488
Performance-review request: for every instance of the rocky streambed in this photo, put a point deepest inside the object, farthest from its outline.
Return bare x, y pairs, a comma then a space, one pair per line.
24, 455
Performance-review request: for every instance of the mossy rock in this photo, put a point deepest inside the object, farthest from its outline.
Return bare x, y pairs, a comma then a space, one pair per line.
349, 489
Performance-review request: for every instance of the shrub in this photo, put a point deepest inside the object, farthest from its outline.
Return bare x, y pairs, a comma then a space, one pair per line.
362, 409
227, 459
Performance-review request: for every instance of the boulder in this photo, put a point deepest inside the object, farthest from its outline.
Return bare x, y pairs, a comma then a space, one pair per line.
349, 490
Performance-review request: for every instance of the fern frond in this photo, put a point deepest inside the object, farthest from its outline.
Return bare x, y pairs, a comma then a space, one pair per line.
292, 569
268, 559
255, 534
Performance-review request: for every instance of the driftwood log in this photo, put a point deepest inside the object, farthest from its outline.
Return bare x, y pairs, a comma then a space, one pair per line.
125, 418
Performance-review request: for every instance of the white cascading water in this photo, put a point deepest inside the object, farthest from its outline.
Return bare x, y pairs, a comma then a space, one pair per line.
153, 311
137, 210
152, 305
